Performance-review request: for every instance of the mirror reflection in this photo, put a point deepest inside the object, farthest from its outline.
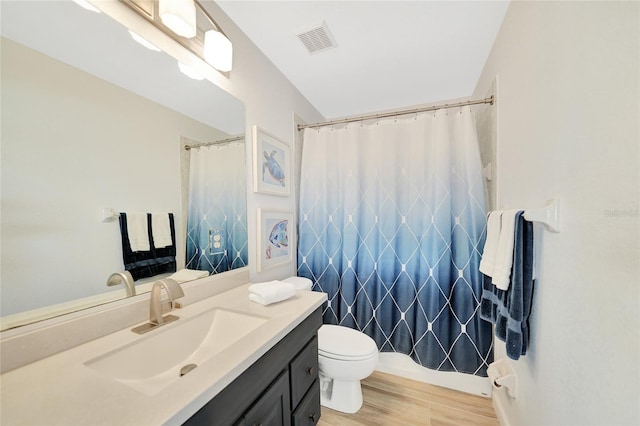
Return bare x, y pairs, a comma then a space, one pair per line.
217, 208
94, 123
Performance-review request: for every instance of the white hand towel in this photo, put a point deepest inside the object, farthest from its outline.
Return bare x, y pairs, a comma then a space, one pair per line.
161, 230
138, 232
501, 277
488, 262
271, 292
184, 275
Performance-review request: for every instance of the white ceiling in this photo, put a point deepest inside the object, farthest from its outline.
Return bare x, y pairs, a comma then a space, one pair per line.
390, 54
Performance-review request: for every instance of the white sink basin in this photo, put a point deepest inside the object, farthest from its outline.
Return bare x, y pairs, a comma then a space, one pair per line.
154, 361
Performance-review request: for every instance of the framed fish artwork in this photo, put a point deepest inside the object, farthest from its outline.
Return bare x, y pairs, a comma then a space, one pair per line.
271, 164
274, 234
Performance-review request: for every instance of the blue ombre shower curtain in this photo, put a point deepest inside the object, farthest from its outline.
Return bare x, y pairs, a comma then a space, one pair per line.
217, 212
391, 221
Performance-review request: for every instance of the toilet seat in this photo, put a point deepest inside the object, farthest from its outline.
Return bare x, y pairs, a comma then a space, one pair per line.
343, 343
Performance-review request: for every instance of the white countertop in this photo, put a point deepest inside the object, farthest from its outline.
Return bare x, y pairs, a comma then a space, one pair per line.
62, 390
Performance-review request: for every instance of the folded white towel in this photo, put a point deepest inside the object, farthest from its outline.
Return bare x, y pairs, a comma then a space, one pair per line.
271, 292
161, 230
138, 231
501, 277
184, 275
488, 262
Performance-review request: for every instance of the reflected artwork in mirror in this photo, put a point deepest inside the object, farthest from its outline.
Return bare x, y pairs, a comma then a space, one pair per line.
93, 122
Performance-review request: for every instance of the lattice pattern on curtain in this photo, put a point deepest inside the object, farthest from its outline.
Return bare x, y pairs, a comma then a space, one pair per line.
217, 213
391, 222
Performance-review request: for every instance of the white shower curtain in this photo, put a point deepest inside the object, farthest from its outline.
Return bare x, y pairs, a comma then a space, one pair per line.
217, 212
391, 220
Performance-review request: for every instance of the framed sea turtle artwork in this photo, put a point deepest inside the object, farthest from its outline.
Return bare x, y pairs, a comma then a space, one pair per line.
271, 164
274, 234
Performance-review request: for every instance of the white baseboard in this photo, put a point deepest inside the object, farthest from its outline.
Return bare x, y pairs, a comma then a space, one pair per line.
403, 366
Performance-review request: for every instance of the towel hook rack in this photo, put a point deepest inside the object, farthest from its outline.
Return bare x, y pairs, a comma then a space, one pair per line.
548, 215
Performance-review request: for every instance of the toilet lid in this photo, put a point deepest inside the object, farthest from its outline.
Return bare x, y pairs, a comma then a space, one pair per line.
335, 341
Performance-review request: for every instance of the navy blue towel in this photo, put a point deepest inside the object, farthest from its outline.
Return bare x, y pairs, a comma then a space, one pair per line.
509, 310
144, 264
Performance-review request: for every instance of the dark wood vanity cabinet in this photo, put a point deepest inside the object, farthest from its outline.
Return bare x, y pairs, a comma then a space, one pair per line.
280, 389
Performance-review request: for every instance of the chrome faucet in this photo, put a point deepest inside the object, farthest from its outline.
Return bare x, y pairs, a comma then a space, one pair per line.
122, 277
157, 309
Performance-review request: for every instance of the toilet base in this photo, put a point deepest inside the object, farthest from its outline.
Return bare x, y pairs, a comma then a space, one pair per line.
342, 395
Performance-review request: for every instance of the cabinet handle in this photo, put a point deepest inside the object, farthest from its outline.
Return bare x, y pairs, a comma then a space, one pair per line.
311, 371
313, 417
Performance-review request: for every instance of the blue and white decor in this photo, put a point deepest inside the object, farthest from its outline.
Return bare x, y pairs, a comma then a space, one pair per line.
392, 218
217, 216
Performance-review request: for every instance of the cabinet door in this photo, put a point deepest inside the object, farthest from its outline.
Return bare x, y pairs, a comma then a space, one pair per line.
304, 371
272, 408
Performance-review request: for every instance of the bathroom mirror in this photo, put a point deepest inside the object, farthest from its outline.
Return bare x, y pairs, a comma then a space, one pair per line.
91, 121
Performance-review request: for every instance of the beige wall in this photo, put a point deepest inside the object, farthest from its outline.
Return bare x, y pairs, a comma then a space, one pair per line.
568, 126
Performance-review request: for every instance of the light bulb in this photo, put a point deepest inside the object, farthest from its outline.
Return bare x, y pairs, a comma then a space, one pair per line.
179, 16
218, 50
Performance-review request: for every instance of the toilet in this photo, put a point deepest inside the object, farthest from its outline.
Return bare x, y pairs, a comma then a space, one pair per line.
345, 356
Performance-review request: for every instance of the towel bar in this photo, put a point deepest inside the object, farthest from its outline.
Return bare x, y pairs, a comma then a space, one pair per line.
548, 215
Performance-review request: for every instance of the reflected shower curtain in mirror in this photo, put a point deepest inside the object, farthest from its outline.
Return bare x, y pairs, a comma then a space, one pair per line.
391, 221
217, 212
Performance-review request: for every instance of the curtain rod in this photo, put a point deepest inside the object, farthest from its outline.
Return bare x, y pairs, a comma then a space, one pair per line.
220, 142
488, 100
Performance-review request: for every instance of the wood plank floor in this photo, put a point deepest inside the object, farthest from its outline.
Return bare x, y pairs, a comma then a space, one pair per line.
393, 401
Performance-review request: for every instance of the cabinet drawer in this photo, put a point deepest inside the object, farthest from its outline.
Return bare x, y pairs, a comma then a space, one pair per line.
308, 412
304, 371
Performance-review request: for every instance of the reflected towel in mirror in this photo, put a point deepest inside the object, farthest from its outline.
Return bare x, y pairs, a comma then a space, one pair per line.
161, 230
155, 260
138, 231
184, 275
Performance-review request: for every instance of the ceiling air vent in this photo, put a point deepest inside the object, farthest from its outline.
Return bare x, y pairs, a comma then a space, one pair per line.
317, 39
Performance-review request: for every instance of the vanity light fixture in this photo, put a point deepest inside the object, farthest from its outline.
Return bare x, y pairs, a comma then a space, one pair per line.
189, 23
189, 72
143, 41
86, 5
218, 50
179, 16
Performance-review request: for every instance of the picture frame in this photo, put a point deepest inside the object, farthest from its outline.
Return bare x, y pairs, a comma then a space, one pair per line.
275, 230
271, 164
